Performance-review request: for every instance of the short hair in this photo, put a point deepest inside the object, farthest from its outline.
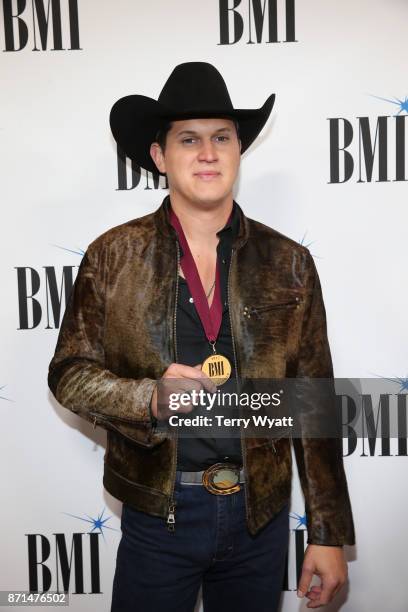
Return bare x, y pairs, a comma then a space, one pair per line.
161, 135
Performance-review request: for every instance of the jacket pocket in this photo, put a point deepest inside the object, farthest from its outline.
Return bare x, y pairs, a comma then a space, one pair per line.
257, 311
143, 435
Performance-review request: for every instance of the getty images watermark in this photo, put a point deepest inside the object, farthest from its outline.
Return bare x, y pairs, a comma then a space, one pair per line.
284, 407
225, 399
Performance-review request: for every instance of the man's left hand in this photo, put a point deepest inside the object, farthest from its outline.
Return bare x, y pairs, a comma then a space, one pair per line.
327, 562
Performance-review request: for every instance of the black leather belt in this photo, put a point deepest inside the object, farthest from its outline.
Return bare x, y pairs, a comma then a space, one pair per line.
219, 478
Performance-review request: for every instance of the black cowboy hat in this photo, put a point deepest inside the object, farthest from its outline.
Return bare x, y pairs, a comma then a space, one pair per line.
193, 90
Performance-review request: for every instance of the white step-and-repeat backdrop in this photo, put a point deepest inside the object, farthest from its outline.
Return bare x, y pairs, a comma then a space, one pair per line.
329, 170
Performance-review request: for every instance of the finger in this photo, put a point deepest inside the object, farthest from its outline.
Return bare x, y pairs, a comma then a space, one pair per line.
176, 387
209, 385
190, 399
312, 595
184, 385
313, 604
180, 370
318, 599
171, 397
194, 389
305, 580
181, 395
195, 372
329, 586
314, 592
314, 600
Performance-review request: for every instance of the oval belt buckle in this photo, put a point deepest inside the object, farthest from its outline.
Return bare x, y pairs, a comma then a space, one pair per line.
221, 479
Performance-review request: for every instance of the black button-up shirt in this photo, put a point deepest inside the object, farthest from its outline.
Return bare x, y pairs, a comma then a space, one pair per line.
193, 347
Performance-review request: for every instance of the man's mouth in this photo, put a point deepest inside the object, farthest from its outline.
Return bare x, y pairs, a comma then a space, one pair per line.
207, 175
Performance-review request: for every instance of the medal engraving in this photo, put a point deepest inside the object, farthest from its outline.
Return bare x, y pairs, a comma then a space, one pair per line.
218, 368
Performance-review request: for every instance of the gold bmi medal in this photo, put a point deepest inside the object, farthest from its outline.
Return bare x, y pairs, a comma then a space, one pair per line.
217, 367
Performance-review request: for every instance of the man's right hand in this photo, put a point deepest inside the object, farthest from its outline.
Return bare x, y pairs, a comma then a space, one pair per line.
179, 378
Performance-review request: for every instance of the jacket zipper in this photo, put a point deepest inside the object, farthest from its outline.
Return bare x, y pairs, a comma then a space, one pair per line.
244, 458
253, 310
171, 518
110, 425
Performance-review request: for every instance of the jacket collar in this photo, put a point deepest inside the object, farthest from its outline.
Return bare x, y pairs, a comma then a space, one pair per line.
162, 220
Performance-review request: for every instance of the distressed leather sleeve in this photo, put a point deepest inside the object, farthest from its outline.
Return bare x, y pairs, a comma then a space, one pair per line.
319, 459
77, 374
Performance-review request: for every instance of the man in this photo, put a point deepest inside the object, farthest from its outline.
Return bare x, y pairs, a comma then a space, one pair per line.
158, 298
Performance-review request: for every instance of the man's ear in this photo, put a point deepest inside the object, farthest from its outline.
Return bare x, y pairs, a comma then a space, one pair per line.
156, 154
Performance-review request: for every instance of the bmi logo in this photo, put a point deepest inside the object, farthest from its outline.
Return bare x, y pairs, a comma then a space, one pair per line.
41, 296
378, 429
68, 567
49, 25
216, 368
370, 149
130, 175
257, 21
52, 562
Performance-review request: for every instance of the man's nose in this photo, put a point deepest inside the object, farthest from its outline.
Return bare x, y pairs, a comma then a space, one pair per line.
208, 151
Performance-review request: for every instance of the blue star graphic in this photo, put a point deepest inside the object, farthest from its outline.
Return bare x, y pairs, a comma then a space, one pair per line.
7, 399
401, 381
403, 104
98, 523
300, 518
78, 252
302, 242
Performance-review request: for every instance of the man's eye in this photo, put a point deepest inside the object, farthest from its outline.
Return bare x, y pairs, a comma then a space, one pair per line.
223, 138
188, 140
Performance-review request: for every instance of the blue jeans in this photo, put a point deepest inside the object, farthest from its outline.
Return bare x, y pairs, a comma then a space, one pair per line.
158, 570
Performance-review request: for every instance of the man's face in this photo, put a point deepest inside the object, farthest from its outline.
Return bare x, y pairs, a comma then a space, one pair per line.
201, 159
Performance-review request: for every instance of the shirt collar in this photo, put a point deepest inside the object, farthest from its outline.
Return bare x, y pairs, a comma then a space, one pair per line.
232, 224
230, 229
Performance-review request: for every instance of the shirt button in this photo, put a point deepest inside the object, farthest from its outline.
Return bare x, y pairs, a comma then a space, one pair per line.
223, 261
191, 300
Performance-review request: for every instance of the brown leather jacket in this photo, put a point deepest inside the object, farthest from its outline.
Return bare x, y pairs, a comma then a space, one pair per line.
117, 338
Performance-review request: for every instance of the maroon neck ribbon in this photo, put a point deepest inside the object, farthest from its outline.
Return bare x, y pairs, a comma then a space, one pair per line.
210, 317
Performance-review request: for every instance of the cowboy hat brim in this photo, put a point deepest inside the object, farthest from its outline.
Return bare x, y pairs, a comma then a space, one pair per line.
136, 119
